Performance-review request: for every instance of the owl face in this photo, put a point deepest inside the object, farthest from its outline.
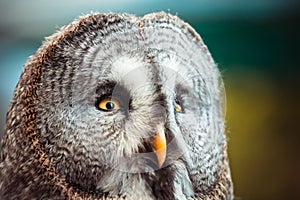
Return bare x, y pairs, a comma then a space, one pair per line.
118, 101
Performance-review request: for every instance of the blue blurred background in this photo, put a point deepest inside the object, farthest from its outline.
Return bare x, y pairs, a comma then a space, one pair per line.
255, 44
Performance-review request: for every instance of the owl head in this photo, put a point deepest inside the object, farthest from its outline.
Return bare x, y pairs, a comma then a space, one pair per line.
127, 105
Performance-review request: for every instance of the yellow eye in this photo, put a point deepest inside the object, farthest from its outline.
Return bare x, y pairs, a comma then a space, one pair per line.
178, 108
109, 104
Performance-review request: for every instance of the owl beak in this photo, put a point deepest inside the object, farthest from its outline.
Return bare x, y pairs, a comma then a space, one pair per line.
159, 147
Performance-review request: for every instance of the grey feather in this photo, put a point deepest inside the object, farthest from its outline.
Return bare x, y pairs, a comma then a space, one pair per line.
59, 145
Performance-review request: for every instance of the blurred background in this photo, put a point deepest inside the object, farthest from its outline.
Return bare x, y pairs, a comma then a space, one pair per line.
256, 45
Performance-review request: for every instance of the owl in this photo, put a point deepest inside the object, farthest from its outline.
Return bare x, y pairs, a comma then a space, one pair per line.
115, 106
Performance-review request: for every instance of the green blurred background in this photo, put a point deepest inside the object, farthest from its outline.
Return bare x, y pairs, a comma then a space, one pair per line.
255, 44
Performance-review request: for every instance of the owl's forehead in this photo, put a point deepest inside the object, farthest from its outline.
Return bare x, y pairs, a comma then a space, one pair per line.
149, 68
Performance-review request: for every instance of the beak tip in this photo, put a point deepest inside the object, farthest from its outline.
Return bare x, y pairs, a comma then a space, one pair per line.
161, 157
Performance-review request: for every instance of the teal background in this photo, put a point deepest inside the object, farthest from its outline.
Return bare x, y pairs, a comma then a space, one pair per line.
256, 45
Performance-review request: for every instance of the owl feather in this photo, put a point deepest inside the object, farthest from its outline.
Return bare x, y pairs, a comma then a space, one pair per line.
115, 106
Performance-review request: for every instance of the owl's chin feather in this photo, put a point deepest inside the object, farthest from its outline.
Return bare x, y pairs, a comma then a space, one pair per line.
170, 182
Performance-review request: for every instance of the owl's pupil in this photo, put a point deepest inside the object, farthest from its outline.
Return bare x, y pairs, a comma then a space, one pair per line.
110, 105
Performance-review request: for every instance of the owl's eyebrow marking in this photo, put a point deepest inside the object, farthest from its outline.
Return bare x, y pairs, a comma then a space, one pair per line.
182, 90
105, 87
